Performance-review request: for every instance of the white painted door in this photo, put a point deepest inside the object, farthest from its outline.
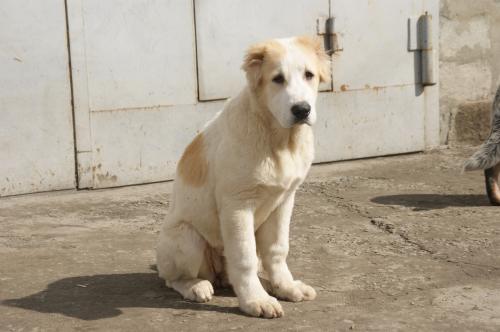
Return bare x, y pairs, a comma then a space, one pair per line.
379, 105
134, 76
225, 29
142, 88
36, 129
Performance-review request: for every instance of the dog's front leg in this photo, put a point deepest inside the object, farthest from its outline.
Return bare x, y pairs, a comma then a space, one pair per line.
272, 243
242, 263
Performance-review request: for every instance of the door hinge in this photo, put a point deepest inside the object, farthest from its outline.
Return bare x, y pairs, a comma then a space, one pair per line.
332, 39
420, 39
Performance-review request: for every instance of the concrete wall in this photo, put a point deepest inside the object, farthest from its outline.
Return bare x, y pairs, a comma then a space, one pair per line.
469, 68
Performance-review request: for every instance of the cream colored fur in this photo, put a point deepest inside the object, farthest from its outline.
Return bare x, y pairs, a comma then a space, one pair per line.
236, 182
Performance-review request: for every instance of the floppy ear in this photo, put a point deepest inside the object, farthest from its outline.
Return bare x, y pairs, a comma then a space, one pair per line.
252, 64
316, 45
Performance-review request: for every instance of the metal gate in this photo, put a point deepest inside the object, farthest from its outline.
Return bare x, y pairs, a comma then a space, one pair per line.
36, 128
148, 74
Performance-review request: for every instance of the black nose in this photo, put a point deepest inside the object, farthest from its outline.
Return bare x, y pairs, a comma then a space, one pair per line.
301, 110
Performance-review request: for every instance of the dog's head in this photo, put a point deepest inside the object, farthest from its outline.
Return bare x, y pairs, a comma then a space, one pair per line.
285, 74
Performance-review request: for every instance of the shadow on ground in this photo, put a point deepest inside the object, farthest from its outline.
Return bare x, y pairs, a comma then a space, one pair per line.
102, 296
432, 201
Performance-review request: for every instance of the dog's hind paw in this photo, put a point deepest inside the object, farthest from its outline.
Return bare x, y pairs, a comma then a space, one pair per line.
201, 291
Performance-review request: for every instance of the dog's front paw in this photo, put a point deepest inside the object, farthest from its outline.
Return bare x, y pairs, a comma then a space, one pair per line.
201, 291
267, 307
295, 291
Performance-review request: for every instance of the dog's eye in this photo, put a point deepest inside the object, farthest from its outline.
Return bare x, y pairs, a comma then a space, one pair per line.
280, 79
309, 75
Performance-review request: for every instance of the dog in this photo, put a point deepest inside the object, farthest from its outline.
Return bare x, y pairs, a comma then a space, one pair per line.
235, 183
487, 157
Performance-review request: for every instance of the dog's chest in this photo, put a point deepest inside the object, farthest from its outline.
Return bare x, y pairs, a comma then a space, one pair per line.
283, 171
279, 178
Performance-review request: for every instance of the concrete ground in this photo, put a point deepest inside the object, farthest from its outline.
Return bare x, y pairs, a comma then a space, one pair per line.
403, 243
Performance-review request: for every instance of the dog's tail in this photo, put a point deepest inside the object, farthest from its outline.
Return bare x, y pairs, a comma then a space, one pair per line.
488, 154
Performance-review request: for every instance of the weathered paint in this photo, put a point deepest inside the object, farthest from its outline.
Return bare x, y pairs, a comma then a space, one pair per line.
141, 146
375, 37
36, 130
140, 57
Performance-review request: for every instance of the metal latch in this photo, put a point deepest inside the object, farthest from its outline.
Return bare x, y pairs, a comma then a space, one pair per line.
332, 40
420, 39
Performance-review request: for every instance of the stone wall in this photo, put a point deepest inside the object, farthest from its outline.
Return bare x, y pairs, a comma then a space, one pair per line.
469, 68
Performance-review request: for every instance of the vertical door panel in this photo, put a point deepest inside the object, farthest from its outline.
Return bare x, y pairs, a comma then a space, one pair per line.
374, 38
225, 28
134, 74
139, 53
379, 106
36, 130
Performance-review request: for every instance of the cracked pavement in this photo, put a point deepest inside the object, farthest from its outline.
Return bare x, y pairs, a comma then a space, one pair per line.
403, 243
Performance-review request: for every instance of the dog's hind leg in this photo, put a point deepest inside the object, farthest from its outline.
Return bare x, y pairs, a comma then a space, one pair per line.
492, 177
181, 262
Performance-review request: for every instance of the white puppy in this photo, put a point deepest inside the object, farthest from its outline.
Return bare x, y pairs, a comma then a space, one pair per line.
235, 184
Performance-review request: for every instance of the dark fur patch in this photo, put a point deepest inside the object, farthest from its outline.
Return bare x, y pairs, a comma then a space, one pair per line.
488, 154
